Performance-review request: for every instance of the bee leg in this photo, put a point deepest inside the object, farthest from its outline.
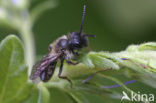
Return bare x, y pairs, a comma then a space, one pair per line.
63, 77
72, 63
92, 75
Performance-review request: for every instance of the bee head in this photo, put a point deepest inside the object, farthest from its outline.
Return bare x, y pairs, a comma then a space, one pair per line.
77, 40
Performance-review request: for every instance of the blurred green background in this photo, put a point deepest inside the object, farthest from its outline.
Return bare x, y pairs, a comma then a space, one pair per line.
115, 23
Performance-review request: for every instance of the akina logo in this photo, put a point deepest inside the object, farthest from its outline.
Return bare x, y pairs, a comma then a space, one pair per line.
137, 97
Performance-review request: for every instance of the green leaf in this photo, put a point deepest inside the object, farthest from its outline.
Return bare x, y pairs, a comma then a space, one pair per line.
147, 46
59, 96
131, 64
33, 97
13, 71
102, 62
44, 95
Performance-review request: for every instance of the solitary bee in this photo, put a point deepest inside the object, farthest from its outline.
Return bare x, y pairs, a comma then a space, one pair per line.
64, 48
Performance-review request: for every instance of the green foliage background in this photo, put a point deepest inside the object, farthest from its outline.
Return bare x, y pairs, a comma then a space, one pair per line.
116, 25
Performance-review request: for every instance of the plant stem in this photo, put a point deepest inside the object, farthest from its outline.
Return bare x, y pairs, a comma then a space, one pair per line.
29, 44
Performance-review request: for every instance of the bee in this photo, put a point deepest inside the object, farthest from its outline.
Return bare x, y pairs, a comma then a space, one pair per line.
65, 48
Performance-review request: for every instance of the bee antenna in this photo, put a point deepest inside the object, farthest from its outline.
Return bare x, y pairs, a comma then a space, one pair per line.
83, 17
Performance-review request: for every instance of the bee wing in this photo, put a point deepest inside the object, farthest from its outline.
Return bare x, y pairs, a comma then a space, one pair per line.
43, 64
48, 72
